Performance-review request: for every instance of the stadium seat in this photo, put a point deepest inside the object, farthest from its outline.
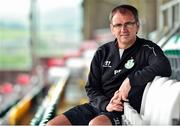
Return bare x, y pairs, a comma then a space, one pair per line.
160, 104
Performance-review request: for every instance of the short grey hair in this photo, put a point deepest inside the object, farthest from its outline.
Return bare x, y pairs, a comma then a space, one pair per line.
123, 9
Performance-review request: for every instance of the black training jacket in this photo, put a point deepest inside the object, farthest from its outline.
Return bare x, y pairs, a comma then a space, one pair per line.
140, 63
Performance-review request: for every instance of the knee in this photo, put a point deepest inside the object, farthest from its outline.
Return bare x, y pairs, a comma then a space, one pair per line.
52, 122
94, 122
49, 123
59, 120
100, 120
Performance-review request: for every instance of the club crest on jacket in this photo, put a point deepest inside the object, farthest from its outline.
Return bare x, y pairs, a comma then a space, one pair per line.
129, 64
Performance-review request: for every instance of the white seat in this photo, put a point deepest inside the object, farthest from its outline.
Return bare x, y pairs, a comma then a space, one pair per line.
170, 105
144, 98
158, 110
152, 97
132, 115
160, 104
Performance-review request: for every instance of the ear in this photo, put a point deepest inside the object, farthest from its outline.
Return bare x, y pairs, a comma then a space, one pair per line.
138, 25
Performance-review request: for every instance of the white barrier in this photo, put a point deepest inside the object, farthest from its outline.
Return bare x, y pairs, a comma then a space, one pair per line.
160, 104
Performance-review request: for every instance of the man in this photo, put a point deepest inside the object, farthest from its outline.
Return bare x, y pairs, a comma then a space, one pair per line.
119, 72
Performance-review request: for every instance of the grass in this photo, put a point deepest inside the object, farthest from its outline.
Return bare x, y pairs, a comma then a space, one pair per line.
6, 34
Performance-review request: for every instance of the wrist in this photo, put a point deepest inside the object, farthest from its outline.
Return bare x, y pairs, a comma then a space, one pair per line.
108, 108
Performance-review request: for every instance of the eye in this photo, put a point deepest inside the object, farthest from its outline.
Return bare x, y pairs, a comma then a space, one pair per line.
129, 24
125, 25
117, 25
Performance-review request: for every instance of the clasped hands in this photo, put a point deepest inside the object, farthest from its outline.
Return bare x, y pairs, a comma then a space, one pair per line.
121, 95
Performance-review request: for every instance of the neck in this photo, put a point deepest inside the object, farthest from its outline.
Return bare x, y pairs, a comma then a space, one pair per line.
125, 45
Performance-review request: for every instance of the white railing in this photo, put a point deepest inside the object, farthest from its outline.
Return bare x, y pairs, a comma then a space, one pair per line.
169, 15
168, 20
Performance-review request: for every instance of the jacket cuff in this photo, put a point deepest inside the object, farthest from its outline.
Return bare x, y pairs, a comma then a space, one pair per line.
132, 80
103, 106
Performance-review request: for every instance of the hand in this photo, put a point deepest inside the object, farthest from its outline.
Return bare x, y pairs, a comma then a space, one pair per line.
115, 103
124, 90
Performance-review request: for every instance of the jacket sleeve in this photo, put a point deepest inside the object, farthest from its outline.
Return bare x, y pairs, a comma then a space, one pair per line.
158, 65
94, 86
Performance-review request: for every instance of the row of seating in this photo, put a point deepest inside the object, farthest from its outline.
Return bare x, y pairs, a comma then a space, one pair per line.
174, 58
172, 52
175, 66
47, 110
160, 104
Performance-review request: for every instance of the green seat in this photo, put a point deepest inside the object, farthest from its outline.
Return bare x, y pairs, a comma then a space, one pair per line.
174, 59
173, 52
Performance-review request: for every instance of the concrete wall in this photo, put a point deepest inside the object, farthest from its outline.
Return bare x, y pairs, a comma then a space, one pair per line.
96, 13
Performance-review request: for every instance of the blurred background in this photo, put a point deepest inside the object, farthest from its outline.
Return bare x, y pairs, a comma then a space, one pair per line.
46, 47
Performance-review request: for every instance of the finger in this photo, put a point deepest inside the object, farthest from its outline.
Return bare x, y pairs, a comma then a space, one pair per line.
114, 98
124, 98
120, 95
117, 101
111, 101
120, 98
117, 108
116, 92
117, 105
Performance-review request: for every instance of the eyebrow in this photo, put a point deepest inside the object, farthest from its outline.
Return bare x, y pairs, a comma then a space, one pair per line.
125, 23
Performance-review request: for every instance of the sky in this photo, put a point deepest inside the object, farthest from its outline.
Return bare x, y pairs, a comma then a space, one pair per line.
21, 7
14, 7
51, 4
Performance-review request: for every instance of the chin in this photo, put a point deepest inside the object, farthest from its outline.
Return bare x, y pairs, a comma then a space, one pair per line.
125, 40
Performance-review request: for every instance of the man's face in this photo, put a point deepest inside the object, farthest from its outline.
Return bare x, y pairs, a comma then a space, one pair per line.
124, 27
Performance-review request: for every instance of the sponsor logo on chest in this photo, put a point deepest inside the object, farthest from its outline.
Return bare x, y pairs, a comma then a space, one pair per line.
107, 63
117, 71
128, 65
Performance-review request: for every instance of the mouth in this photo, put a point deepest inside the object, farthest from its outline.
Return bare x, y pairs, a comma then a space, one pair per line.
125, 35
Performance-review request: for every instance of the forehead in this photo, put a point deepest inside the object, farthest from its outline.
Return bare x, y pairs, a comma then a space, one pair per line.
124, 16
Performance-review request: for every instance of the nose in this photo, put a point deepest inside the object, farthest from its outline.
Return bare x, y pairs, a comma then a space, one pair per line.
124, 28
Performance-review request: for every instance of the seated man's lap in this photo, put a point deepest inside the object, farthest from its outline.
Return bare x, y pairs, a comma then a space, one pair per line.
115, 117
83, 114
